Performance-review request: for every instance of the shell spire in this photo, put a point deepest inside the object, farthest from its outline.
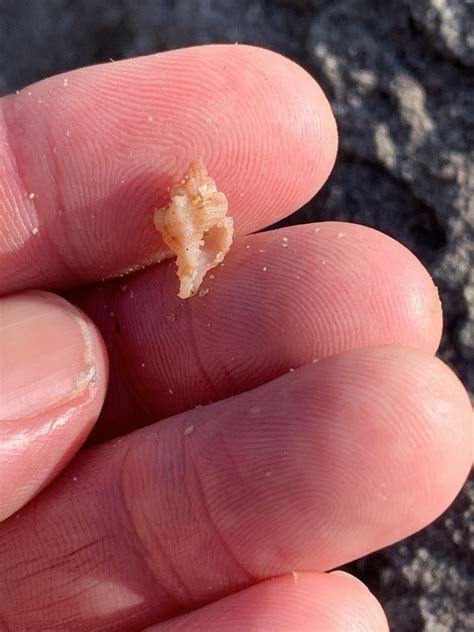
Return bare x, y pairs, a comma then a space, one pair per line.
195, 226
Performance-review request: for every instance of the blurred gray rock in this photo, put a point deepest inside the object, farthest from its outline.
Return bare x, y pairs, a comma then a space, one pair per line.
399, 74
449, 26
406, 120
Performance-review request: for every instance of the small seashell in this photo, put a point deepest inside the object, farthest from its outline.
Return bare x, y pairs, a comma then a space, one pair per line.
195, 226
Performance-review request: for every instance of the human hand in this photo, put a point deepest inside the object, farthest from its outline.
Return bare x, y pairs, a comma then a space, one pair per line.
225, 516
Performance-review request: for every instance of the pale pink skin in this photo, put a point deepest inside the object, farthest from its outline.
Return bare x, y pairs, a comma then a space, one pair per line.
308, 466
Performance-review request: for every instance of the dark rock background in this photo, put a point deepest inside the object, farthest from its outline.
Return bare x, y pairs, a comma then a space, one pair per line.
400, 76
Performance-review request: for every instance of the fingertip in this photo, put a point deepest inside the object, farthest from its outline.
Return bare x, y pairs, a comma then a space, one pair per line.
434, 421
450, 432
400, 288
421, 297
354, 589
315, 127
299, 601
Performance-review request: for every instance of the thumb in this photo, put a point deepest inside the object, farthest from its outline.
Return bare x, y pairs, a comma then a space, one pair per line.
53, 377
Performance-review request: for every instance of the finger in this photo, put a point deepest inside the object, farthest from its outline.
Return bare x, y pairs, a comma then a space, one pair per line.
52, 386
283, 299
87, 156
304, 602
308, 472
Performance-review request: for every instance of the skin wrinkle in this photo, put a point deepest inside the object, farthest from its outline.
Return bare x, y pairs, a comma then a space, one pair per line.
191, 336
11, 149
44, 606
59, 200
142, 551
70, 580
8, 193
229, 379
68, 597
207, 508
70, 555
162, 303
245, 484
8, 106
61, 562
119, 355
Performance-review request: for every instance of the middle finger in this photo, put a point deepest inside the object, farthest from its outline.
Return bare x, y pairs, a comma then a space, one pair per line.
282, 299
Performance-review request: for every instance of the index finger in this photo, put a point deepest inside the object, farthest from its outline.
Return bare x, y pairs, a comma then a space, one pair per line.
86, 156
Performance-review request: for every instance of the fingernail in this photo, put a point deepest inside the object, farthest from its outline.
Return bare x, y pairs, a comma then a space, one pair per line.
348, 575
46, 354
